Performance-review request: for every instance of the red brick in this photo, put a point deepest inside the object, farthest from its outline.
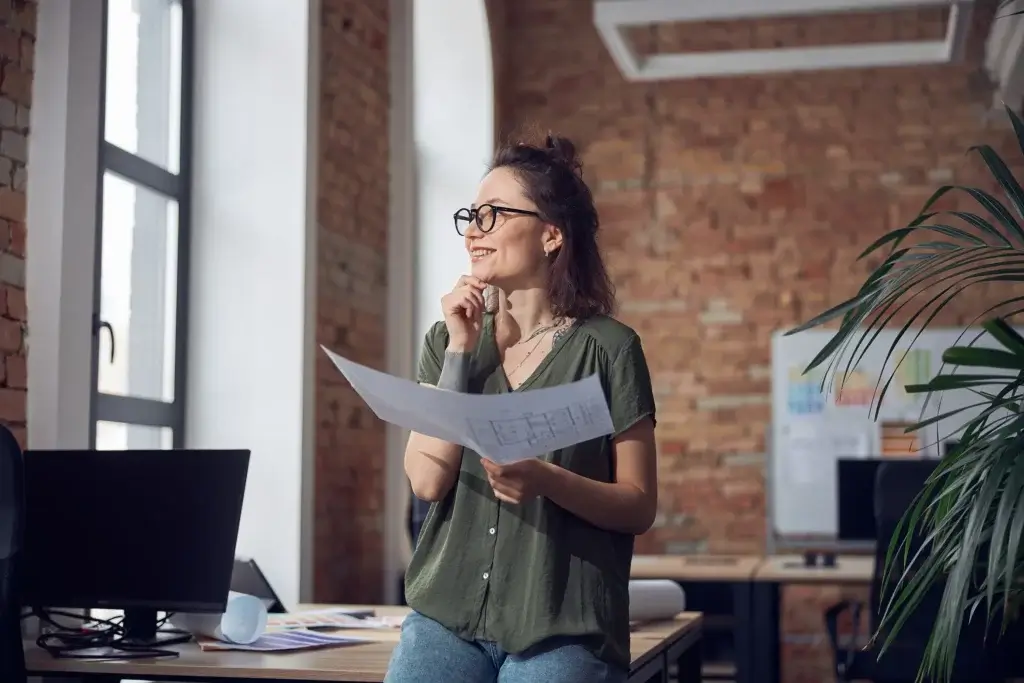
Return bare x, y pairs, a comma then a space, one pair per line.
351, 298
9, 42
12, 204
17, 82
28, 48
10, 336
14, 299
18, 238
27, 12
16, 372
17, 27
12, 406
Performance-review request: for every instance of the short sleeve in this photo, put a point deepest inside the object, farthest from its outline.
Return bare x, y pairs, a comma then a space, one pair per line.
433, 352
630, 395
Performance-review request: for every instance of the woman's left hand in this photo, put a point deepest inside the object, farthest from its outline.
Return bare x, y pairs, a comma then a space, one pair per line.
519, 482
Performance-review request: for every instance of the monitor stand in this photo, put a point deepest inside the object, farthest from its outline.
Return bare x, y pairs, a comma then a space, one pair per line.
140, 630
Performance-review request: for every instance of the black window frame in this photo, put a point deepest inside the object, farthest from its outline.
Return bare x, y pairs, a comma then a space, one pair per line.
142, 173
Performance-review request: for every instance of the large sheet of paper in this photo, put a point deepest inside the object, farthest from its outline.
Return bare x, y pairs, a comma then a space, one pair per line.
504, 428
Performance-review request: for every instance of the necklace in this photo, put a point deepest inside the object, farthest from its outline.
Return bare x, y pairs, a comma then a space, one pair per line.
560, 329
540, 329
525, 358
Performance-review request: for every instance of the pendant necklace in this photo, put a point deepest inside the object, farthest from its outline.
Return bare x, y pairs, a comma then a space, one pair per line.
528, 354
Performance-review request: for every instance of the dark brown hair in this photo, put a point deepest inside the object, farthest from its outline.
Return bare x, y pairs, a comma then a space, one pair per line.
552, 176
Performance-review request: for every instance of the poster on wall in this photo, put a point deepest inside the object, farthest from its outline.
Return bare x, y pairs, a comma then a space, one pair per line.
815, 422
813, 448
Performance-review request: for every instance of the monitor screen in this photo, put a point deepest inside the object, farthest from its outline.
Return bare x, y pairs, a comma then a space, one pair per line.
855, 498
151, 530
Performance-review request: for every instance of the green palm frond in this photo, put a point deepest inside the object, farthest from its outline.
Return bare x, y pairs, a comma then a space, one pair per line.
970, 514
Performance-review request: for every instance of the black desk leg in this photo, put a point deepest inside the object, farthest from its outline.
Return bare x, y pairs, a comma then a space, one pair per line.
766, 632
689, 665
743, 632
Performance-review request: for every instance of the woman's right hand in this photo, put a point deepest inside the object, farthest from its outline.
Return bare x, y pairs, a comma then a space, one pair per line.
463, 309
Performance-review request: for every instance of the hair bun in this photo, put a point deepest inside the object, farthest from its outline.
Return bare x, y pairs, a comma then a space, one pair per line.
563, 151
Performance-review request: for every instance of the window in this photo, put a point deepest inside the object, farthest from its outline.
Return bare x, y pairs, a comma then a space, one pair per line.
141, 266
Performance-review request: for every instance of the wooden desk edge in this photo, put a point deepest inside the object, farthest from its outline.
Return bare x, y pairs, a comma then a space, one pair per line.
689, 626
859, 570
696, 567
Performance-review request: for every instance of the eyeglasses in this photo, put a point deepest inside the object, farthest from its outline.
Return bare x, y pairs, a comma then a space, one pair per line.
485, 217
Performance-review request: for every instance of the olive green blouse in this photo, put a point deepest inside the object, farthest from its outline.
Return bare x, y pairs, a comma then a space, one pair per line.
518, 574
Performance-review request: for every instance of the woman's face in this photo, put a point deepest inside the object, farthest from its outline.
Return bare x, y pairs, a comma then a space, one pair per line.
514, 253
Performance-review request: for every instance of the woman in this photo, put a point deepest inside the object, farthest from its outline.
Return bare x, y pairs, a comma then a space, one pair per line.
521, 571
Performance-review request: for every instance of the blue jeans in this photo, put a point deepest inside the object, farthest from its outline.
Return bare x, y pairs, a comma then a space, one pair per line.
427, 652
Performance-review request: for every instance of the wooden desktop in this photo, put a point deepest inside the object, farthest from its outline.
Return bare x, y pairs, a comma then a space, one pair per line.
849, 570
654, 647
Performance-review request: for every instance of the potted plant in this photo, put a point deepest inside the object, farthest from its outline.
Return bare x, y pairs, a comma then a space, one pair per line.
971, 512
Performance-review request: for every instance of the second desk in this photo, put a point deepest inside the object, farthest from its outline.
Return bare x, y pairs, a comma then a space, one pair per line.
719, 586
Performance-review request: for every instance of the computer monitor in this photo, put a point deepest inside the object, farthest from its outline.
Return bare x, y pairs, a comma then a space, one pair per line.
855, 498
140, 531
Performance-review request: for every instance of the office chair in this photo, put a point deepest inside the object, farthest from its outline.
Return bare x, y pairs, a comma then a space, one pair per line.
12, 524
896, 485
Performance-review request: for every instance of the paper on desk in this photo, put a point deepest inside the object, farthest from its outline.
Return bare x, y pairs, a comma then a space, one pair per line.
331, 618
502, 427
284, 641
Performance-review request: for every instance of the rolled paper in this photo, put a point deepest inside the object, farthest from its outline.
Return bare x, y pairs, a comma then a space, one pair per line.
654, 599
243, 622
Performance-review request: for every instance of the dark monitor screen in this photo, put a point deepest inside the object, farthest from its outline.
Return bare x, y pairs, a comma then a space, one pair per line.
855, 498
152, 530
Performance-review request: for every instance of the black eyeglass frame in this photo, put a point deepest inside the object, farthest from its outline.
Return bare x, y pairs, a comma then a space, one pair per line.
467, 215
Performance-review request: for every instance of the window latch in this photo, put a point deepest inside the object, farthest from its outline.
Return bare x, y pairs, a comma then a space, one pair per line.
98, 325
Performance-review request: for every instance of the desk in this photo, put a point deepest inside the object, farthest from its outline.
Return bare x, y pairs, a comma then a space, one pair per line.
654, 647
769, 579
731, 575
850, 570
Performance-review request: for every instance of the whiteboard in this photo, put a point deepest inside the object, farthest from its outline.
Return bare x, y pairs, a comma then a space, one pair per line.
811, 429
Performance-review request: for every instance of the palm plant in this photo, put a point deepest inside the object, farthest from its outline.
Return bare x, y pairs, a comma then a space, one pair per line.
970, 516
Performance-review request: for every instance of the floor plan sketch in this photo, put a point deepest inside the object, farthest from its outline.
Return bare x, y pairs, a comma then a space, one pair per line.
501, 427
538, 429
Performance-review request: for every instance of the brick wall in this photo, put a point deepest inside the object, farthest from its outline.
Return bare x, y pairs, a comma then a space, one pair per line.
352, 210
17, 44
734, 207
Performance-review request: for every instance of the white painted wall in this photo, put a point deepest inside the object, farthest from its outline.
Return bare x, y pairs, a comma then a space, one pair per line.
252, 297
442, 138
453, 123
62, 210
